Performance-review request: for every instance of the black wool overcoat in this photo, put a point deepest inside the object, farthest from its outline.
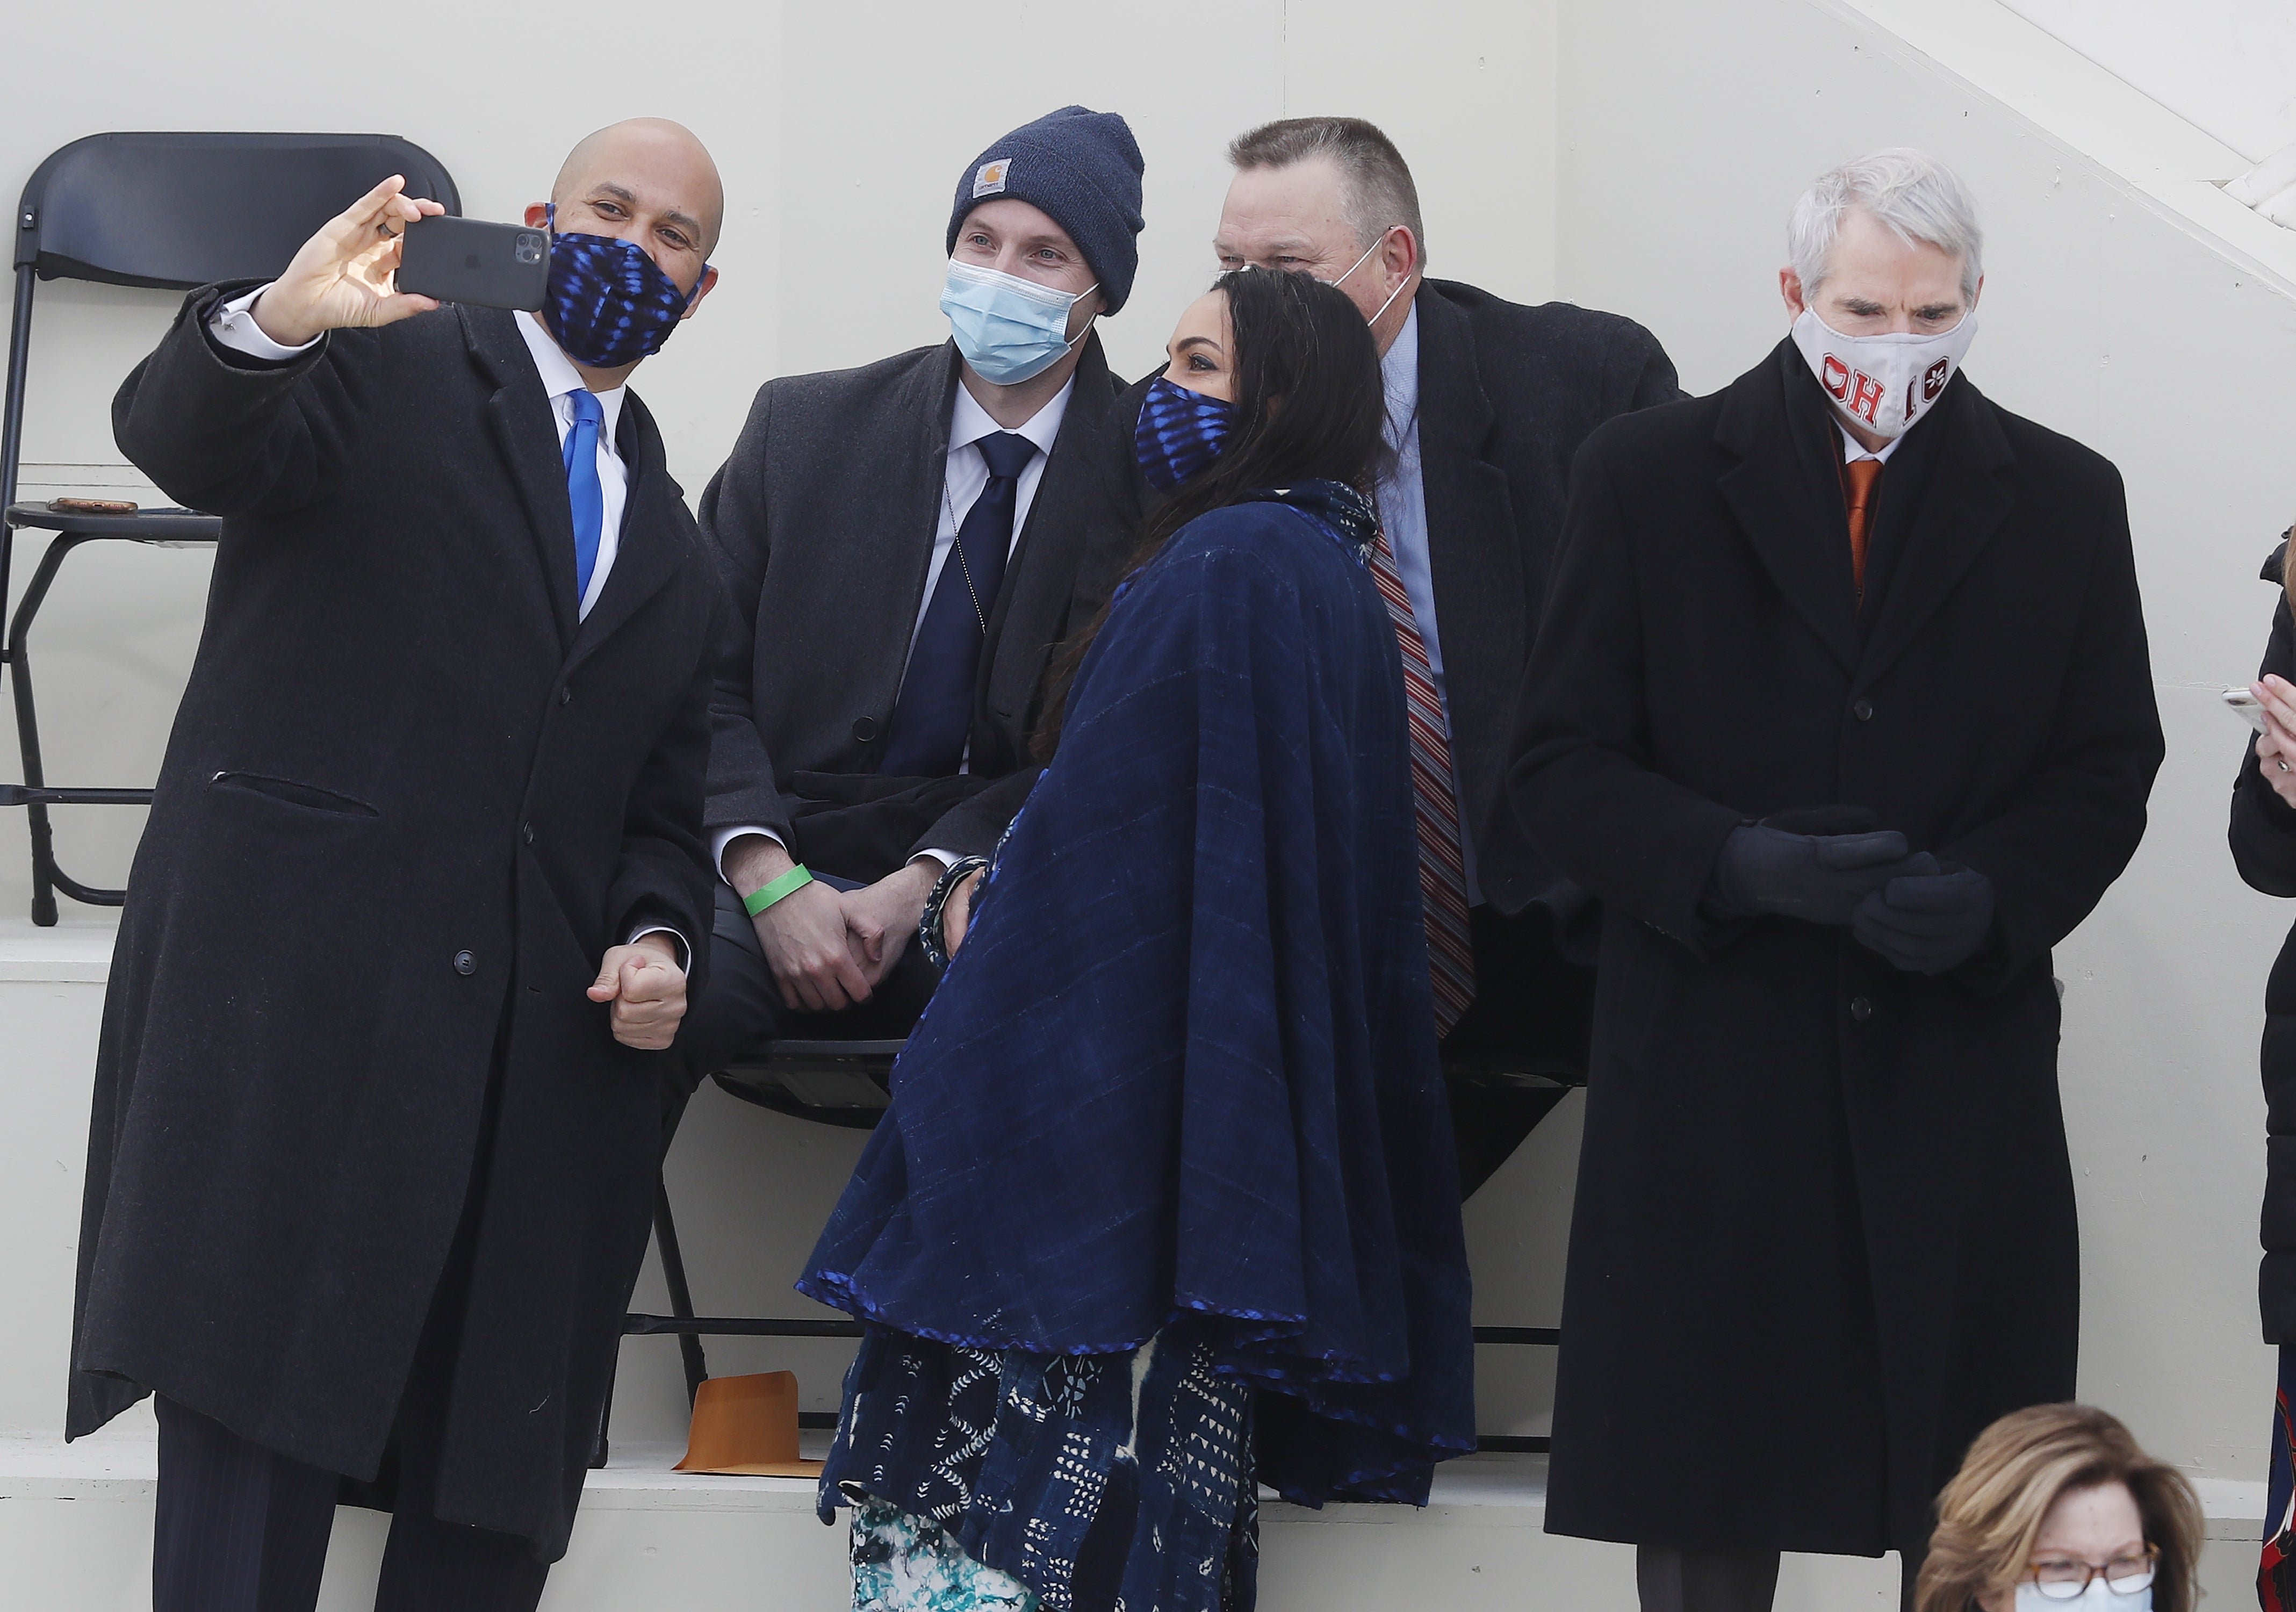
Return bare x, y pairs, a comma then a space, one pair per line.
407, 804
2264, 848
1824, 1229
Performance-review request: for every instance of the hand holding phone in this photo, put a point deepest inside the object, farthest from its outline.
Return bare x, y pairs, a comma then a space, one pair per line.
341, 278
470, 261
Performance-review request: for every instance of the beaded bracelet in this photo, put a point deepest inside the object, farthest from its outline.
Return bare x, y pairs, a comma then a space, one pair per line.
929, 929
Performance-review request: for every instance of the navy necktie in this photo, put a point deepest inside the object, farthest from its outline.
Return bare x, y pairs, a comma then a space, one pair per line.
587, 498
933, 717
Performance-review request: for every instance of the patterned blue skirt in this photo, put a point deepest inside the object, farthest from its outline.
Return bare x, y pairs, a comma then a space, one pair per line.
1097, 1481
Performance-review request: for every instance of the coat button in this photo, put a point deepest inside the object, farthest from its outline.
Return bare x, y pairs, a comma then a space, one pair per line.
1863, 710
466, 962
526, 832
565, 696
864, 729
1860, 1009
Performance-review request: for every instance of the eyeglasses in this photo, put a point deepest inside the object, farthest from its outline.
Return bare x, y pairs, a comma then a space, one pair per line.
2062, 1578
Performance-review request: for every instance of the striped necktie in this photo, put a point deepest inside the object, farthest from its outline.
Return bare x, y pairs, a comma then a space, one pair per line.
1442, 866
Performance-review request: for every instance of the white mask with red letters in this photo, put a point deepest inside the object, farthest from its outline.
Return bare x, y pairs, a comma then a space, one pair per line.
1884, 383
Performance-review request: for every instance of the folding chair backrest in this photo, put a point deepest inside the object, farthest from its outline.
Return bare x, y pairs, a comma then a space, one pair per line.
180, 210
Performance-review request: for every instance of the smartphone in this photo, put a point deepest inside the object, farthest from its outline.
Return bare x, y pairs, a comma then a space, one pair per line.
2245, 703
471, 261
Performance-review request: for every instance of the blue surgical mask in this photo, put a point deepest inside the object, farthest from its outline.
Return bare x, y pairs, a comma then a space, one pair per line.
1009, 330
608, 304
1180, 433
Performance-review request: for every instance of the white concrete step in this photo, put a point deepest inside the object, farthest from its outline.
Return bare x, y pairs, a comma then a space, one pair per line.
75, 1536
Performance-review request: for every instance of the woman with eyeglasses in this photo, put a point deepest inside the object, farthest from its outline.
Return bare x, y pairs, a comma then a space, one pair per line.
2055, 1508
1165, 1207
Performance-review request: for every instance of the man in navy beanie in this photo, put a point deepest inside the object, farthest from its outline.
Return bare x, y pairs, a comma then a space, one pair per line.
906, 544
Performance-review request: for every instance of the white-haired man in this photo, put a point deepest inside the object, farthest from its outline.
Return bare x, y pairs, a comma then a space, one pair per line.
1841, 707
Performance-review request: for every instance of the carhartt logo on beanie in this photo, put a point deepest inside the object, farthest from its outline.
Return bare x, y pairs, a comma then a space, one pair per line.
1083, 168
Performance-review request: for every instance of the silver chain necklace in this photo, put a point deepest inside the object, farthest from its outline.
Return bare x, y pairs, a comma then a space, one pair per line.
956, 541
957, 537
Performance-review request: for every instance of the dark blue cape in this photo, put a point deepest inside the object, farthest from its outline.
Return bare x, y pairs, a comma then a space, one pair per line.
1186, 1060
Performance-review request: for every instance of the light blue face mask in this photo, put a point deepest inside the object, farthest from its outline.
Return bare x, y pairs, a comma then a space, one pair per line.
1009, 330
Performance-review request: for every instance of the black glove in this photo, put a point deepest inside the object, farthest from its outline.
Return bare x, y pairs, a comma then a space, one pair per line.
1926, 924
1817, 877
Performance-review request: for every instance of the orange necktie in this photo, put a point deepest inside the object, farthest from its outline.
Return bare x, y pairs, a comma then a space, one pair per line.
1857, 478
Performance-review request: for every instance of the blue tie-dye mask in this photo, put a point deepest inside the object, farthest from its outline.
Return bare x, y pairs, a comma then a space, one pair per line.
1180, 433
607, 303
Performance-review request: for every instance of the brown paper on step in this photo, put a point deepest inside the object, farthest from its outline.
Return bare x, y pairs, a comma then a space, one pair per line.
747, 1425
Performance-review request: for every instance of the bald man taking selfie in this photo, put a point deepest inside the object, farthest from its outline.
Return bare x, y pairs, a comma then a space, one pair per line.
377, 1099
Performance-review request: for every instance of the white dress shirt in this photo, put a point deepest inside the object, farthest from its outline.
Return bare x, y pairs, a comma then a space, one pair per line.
1853, 450
233, 325
1403, 516
963, 480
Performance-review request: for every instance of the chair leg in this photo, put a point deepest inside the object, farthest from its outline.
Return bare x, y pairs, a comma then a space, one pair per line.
27, 727
681, 1297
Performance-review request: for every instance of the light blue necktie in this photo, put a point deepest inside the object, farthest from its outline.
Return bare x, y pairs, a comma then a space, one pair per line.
582, 490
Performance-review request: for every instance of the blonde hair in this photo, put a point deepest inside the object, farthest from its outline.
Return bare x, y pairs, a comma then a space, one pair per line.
1991, 1513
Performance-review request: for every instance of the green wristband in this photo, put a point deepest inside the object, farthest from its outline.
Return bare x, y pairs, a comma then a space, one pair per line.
788, 884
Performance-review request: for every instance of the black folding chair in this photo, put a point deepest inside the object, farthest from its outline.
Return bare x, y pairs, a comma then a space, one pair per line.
174, 212
845, 1082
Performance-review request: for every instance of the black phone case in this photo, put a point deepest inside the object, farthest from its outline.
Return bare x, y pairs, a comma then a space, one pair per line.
469, 260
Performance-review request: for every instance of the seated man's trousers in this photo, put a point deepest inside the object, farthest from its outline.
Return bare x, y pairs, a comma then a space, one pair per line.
742, 1006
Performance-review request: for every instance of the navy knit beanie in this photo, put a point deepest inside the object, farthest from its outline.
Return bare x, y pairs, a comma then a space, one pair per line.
1083, 168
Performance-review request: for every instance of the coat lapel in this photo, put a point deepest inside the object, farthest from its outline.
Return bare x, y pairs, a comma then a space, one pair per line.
651, 552
1482, 601
1966, 500
1803, 539
889, 588
519, 415
1031, 612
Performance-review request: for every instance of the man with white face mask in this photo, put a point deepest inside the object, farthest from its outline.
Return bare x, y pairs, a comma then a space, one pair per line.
905, 544
1841, 707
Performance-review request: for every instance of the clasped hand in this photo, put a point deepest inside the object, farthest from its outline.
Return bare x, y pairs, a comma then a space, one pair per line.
341, 279
830, 949
1922, 915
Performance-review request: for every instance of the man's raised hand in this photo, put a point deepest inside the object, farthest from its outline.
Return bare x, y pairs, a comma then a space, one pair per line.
341, 278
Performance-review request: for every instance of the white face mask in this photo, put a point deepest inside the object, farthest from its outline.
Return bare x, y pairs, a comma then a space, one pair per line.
2098, 1598
1359, 262
1883, 382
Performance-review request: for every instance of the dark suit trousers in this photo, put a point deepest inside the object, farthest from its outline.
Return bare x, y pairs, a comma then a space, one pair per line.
243, 1529
742, 1007
1536, 1010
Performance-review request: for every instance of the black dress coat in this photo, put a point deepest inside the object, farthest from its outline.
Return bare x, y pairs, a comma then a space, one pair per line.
407, 804
1824, 1229
823, 520
2264, 848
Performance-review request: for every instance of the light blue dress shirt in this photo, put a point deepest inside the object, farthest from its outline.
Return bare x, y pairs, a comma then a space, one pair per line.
1403, 514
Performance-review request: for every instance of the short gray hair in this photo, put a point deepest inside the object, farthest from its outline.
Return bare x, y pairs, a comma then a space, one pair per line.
1908, 192
1379, 191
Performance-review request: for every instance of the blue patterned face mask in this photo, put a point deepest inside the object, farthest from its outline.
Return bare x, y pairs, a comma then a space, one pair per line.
607, 303
1180, 433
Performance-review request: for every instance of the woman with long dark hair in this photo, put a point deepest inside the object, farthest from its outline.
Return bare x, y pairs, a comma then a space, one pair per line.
1165, 1205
